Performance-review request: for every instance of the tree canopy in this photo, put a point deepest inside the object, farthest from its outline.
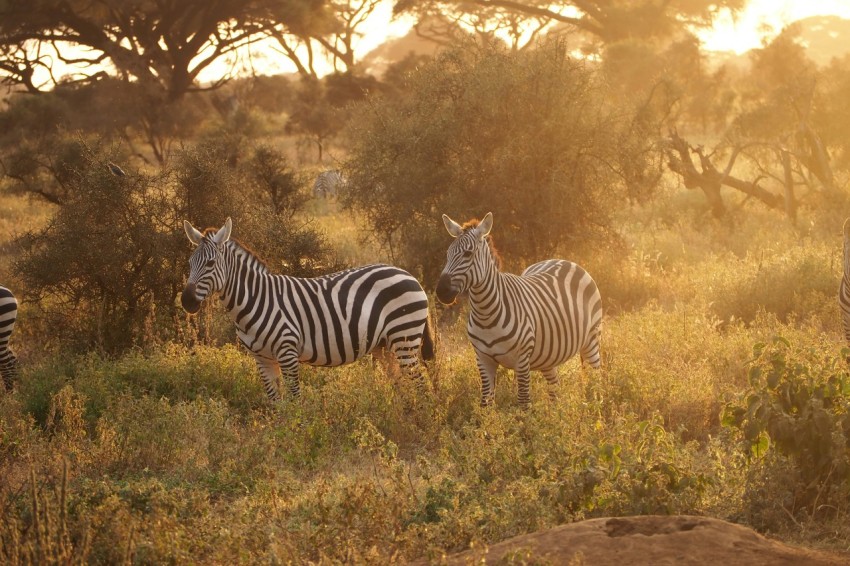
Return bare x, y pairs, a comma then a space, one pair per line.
603, 20
164, 43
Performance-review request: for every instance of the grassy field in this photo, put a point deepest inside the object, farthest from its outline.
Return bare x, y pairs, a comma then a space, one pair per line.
173, 455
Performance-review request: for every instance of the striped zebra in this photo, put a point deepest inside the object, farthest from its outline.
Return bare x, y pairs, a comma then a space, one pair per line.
328, 183
534, 321
323, 321
844, 287
8, 315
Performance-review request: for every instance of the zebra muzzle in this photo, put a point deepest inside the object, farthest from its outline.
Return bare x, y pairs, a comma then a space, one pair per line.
446, 292
190, 302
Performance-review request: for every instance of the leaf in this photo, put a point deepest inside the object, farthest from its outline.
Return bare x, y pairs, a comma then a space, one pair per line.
773, 378
754, 375
760, 447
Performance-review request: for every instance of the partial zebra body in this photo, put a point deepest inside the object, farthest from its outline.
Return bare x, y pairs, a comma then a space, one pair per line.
534, 321
324, 321
328, 184
8, 315
844, 286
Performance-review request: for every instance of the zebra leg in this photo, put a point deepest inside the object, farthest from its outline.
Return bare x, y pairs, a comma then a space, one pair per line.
487, 370
523, 383
269, 371
289, 364
8, 368
406, 352
553, 380
590, 350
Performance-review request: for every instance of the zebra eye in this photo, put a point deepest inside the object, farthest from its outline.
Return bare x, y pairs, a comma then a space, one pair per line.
210, 263
467, 253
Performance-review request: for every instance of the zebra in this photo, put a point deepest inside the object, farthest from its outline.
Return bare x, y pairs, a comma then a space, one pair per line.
323, 321
8, 315
328, 183
844, 287
534, 321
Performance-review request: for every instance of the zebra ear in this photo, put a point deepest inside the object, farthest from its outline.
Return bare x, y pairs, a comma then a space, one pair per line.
453, 227
485, 226
223, 233
194, 236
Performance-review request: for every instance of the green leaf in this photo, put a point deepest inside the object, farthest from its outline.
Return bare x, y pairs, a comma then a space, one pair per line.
760, 447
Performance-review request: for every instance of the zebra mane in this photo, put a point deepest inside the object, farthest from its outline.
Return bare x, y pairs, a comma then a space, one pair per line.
243, 251
497, 257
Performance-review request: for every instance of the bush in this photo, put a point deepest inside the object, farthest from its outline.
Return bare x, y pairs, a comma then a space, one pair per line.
529, 136
798, 405
108, 267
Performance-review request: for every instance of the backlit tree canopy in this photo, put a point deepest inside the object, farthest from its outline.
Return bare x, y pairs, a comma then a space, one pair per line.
165, 42
605, 20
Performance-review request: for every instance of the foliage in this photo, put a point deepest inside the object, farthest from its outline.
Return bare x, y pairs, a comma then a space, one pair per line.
799, 405
108, 266
161, 46
603, 21
527, 136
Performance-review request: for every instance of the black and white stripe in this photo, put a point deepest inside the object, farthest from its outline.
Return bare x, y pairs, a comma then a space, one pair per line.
8, 316
844, 287
328, 184
322, 321
534, 321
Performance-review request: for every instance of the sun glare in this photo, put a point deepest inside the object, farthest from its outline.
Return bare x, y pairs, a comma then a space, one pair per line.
764, 19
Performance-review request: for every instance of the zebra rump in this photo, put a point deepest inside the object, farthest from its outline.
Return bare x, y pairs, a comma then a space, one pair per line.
328, 183
8, 316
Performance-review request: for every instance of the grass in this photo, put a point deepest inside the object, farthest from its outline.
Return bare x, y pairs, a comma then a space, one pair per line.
173, 455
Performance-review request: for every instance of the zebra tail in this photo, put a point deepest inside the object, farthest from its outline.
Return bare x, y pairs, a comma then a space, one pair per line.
427, 342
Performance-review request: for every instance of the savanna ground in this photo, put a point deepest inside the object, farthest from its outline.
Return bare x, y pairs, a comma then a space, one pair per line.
723, 392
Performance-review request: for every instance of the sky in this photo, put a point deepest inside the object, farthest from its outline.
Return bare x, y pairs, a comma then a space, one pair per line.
765, 18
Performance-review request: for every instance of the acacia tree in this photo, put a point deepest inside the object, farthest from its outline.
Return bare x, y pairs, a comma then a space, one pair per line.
163, 43
606, 21
159, 48
774, 145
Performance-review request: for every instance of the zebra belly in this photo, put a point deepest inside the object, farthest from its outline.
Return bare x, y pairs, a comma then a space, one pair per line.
542, 355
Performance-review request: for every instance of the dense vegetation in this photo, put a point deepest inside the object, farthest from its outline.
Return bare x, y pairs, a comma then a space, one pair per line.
139, 434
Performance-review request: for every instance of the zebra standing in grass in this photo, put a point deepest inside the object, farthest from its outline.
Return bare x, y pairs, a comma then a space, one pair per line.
534, 321
844, 287
8, 315
328, 183
323, 321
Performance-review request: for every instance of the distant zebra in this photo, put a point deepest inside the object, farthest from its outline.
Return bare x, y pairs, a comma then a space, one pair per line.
323, 321
328, 184
844, 287
8, 315
534, 321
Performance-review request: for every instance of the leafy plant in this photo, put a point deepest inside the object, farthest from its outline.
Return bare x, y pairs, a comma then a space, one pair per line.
799, 405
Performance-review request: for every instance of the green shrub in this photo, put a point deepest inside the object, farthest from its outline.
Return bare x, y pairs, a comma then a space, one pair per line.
798, 405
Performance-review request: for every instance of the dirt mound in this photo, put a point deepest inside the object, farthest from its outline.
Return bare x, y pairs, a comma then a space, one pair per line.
645, 540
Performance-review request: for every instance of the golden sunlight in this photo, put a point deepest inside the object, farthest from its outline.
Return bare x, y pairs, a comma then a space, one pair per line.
764, 19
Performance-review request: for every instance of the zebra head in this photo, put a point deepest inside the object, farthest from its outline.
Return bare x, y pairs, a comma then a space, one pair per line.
465, 259
206, 274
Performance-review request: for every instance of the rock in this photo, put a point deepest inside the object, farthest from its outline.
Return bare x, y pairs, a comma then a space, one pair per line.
645, 540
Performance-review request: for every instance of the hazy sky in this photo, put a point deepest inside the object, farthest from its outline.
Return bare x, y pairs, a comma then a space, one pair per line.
749, 28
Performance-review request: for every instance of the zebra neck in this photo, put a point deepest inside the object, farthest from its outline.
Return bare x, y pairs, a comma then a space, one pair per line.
486, 297
244, 276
